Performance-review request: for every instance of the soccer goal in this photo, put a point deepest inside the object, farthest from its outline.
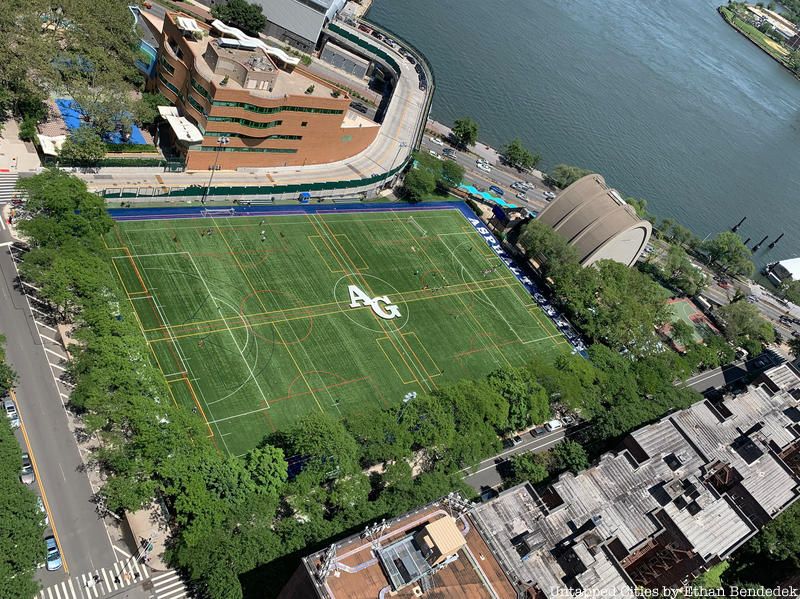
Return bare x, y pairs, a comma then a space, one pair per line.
217, 212
417, 226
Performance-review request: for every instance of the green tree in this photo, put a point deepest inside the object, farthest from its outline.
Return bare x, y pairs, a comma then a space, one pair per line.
730, 253
681, 274
528, 401
239, 13
452, 174
779, 540
530, 467
682, 332
794, 346
553, 252
569, 455
27, 129
465, 132
791, 291
564, 175
418, 184
145, 109
519, 156
325, 443
83, 147
744, 326
267, 467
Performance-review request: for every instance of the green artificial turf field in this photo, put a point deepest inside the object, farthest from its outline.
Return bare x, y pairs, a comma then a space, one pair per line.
254, 333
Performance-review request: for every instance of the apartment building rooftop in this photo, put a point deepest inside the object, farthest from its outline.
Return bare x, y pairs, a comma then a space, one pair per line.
682, 494
246, 64
435, 549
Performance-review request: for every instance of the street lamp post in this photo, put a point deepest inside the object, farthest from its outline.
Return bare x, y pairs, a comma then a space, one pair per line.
222, 141
394, 161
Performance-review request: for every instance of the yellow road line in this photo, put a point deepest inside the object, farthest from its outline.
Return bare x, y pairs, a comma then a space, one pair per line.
39, 482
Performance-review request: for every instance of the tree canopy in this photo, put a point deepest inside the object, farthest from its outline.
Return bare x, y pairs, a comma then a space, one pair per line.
730, 253
465, 132
744, 326
564, 175
520, 157
242, 14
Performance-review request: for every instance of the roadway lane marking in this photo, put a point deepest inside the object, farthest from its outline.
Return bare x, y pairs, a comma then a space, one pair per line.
39, 480
503, 460
41, 324
52, 351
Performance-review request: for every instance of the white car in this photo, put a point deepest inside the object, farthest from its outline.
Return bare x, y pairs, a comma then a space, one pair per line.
433, 153
436, 141
485, 167
549, 195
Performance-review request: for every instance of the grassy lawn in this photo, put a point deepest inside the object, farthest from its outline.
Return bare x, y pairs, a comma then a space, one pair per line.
769, 45
254, 333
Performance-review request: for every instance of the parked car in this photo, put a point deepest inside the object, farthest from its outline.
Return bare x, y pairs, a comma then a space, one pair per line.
497, 190
359, 107
436, 141
410, 59
553, 425
539, 430
488, 495
549, 310
540, 299
11, 412
512, 442
53, 554
449, 152
568, 420
549, 195
26, 474
433, 153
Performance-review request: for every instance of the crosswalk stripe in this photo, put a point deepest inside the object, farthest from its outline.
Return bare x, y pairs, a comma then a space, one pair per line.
164, 575
105, 579
176, 583
58, 595
72, 589
49, 593
173, 594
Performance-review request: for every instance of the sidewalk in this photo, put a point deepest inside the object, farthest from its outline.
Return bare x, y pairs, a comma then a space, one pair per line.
15, 154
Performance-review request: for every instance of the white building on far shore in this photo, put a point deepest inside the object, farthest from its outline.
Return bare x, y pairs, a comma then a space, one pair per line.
785, 270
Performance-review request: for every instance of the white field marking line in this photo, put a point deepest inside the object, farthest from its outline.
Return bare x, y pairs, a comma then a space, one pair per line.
296, 336
340, 216
160, 254
474, 323
235, 342
488, 300
391, 330
172, 335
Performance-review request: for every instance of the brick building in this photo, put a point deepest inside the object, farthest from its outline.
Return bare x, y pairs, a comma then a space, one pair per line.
266, 108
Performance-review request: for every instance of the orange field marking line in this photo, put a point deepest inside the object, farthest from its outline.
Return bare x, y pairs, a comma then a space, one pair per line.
420, 365
199, 407
291, 319
468, 312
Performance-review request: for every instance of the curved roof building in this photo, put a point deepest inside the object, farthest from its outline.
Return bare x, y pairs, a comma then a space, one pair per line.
597, 222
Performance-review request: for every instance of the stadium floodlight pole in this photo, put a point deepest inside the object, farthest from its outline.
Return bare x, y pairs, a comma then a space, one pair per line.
220, 142
394, 161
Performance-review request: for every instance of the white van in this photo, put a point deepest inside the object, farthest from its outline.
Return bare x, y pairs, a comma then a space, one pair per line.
553, 425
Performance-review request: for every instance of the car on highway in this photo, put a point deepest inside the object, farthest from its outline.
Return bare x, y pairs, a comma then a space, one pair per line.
484, 167
549, 195
436, 141
449, 152
11, 411
433, 153
53, 554
521, 196
359, 107
497, 190
26, 474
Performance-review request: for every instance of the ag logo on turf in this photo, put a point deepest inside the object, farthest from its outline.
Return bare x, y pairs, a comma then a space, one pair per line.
382, 305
